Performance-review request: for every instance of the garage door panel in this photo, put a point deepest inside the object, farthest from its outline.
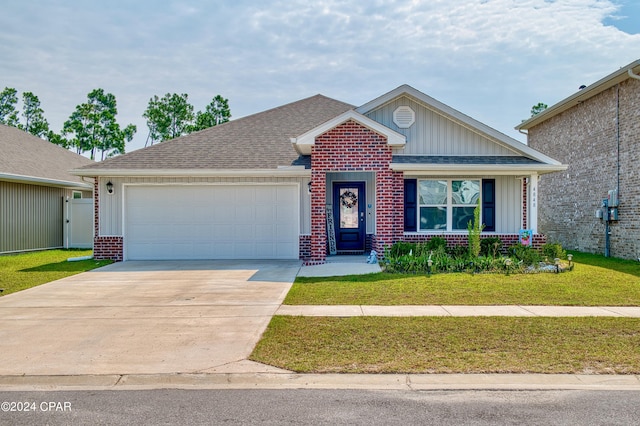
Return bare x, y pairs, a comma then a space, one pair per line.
211, 222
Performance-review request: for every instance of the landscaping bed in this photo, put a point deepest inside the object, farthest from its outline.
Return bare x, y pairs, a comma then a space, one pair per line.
594, 281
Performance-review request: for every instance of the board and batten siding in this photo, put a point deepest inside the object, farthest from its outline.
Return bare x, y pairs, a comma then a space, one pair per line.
32, 217
111, 206
435, 134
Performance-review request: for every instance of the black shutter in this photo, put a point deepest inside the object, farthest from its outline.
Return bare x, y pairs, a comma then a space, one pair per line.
489, 204
410, 205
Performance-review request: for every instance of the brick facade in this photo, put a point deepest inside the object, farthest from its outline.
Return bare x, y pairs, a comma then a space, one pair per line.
353, 147
110, 247
600, 141
463, 239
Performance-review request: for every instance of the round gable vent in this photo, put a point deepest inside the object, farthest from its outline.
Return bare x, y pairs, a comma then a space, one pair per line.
404, 117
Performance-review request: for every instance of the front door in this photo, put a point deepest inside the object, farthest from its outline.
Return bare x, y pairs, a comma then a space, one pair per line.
349, 215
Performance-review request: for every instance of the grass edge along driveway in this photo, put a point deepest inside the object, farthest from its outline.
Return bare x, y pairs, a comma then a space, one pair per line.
21, 271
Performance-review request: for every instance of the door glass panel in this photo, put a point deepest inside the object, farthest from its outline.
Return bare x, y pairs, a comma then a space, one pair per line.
349, 208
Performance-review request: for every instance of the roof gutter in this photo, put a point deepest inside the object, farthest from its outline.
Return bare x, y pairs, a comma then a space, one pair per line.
632, 75
475, 170
44, 181
285, 171
582, 95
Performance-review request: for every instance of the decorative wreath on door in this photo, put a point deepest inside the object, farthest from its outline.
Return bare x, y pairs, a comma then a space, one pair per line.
348, 199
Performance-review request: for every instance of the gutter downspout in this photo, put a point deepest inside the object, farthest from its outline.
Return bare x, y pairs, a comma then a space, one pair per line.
632, 75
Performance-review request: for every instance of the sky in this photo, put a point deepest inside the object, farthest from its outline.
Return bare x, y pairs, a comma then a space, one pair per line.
489, 59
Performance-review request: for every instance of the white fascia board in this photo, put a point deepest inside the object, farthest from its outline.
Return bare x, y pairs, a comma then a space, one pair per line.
44, 181
471, 169
581, 95
460, 118
304, 142
291, 171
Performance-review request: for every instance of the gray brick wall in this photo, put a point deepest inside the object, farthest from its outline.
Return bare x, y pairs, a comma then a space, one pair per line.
585, 138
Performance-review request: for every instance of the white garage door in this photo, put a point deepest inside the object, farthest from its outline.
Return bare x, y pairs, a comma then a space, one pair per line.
211, 222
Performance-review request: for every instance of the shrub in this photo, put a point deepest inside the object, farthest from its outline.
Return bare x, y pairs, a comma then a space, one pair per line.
490, 246
527, 255
458, 251
436, 243
401, 248
474, 228
553, 250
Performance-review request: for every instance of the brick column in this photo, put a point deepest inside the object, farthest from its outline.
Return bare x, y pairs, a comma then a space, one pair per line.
318, 217
389, 209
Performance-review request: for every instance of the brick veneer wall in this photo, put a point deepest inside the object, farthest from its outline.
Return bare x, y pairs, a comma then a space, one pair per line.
463, 239
110, 247
305, 247
352, 147
585, 138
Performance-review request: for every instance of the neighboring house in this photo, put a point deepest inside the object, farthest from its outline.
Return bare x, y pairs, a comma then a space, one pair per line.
597, 132
37, 193
401, 167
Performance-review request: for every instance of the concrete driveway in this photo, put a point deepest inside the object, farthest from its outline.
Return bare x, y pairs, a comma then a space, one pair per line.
144, 318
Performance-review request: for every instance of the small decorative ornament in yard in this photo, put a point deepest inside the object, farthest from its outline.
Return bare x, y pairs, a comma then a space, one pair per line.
349, 199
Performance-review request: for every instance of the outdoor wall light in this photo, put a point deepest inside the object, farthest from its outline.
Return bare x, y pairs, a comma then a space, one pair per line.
109, 187
309, 187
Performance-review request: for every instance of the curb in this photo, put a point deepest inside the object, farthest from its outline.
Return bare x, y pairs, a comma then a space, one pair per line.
410, 382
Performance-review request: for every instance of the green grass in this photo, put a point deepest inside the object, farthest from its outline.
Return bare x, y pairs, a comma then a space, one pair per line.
586, 345
26, 270
595, 281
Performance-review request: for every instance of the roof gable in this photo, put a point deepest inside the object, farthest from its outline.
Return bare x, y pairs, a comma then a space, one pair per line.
27, 158
487, 135
304, 142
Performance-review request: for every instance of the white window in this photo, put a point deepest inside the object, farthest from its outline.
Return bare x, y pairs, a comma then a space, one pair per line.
447, 205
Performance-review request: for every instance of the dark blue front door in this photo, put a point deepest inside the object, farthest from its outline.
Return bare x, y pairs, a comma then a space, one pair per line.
349, 215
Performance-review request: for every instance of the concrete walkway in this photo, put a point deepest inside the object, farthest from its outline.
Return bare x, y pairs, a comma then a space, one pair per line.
457, 311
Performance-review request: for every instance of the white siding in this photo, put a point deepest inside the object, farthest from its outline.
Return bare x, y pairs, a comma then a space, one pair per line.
436, 134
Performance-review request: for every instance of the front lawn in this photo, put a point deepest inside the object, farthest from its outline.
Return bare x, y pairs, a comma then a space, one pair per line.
586, 345
25, 270
595, 281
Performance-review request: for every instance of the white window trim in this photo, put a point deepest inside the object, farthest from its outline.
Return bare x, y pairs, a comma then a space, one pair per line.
449, 206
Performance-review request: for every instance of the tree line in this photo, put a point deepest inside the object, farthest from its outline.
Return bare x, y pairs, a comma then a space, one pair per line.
92, 127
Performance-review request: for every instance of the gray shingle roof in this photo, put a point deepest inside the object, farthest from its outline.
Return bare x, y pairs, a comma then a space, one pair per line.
259, 141
23, 154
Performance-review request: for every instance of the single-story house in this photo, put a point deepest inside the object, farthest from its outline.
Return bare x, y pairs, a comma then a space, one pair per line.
314, 178
596, 131
39, 197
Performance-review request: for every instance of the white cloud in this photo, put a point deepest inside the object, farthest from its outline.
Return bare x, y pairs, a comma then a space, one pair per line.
490, 59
